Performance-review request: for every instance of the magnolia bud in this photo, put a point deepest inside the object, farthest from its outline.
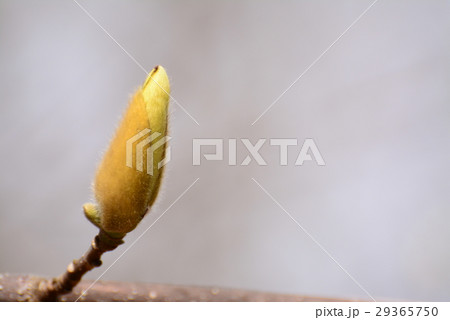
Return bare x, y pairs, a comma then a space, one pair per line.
124, 193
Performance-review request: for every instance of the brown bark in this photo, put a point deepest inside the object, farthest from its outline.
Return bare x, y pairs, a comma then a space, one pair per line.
52, 290
23, 288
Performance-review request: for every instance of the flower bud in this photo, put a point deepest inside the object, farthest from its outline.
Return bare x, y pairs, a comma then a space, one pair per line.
125, 191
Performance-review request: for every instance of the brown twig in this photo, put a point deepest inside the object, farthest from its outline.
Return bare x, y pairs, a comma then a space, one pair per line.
70, 287
51, 290
22, 288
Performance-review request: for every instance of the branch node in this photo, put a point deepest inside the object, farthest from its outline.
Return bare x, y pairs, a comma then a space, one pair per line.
51, 290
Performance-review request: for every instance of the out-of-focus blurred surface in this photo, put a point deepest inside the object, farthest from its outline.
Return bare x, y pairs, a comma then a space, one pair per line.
376, 104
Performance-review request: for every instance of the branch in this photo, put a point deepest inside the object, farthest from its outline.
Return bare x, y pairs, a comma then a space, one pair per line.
23, 288
52, 290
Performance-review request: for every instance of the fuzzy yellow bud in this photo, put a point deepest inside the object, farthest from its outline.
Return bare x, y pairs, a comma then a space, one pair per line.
124, 192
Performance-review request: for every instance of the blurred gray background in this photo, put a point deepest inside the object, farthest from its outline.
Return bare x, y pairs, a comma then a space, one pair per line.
376, 104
